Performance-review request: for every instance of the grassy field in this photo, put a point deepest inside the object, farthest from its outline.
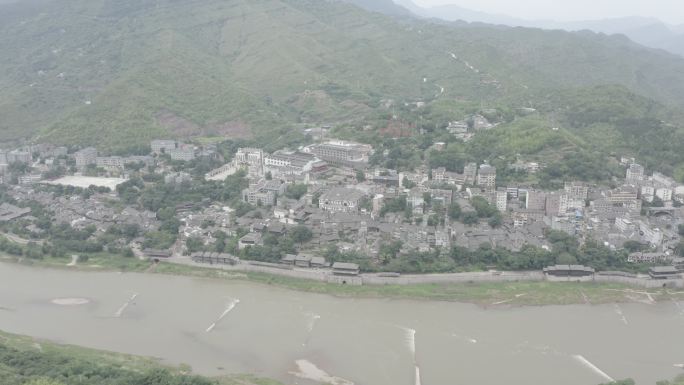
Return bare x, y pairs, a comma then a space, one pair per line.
121, 365
481, 293
485, 294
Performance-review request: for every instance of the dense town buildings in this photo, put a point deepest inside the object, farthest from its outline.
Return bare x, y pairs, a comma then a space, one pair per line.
357, 208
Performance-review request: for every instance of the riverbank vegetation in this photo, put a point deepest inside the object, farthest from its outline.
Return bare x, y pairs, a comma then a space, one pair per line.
677, 381
524, 293
481, 293
26, 361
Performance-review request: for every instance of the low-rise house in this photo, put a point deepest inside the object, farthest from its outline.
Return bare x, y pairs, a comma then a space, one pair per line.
302, 261
318, 262
664, 272
265, 192
569, 271
344, 268
10, 212
251, 239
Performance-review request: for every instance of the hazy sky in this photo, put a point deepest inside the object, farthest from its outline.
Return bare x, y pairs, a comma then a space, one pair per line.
671, 11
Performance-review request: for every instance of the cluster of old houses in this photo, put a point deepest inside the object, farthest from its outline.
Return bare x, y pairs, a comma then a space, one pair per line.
43, 158
344, 200
342, 209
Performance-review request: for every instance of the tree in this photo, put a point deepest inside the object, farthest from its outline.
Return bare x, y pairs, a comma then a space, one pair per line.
633, 246
483, 208
301, 234
194, 244
406, 183
680, 230
220, 244
470, 218
427, 198
566, 259
389, 251
495, 221
360, 176
454, 211
296, 191
43, 381
630, 382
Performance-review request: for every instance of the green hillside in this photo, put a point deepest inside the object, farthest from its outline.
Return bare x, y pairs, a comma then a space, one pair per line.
116, 72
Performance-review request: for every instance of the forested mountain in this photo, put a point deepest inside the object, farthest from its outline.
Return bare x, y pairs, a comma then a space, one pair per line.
116, 72
647, 31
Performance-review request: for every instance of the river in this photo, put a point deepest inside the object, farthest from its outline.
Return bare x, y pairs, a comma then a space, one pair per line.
224, 327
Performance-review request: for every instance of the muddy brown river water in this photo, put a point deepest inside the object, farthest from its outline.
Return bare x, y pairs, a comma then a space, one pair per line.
222, 327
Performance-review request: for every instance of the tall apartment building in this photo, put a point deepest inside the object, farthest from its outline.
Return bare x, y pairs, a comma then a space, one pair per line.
264, 192
664, 193
501, 200
635, 173
623, 194
576, 190
85, 157
185, 153
486, 177
663, 180
19, 156
109, 162
160, 146
470, 173
557, 204
249, 156
535, 200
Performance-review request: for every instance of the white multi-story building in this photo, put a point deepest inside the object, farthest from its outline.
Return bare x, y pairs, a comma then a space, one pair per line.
625, 224
264, 192
576, 190
85, 157
19, 156
29, 179
470, 173
184, 153
665, 194
647, 193
663, 180
292, 163
501, 200
635, 173
160, 146
535, 200
486, 177
416, 200
249, 156
109, 162
342, 152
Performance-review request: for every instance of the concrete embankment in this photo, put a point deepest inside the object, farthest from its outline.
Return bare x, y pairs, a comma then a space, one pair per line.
324, 275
